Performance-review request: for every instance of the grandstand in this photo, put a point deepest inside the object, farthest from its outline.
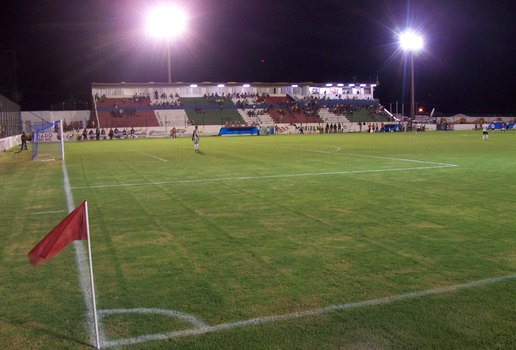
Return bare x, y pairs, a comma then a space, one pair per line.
265, 104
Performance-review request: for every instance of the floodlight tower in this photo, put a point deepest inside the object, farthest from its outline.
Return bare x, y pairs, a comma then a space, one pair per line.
411, 42
166, 23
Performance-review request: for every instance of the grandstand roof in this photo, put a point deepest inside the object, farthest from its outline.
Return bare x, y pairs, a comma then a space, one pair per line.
232, 83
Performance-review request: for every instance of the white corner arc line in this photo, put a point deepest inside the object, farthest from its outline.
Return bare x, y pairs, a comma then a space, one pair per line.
313, 312
169, 313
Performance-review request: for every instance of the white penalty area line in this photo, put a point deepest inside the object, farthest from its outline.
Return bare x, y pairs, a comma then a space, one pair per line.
279, 176
201, 328
338, 149
151, 155
431, 165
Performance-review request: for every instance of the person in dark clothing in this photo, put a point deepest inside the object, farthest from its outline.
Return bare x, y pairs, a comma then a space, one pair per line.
23, 141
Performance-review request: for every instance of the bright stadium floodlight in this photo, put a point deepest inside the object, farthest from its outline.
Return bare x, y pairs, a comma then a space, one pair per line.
166, 23
411, 42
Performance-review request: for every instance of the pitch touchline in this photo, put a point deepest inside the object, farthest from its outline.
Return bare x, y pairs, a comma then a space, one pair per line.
81, 260
236, 178
201, 328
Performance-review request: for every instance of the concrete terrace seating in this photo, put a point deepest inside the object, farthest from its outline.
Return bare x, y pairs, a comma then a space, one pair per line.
125, 112
172, 117
214, 111
352, 110
284, 109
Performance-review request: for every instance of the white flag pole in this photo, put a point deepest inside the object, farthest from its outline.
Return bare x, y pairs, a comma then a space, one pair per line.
91, 278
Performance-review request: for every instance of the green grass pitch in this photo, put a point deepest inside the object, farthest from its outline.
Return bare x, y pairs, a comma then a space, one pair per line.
254, 227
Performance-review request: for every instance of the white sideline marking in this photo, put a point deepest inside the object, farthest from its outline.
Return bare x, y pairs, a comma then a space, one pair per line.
81, 260
48, 212
203, 329
263, 177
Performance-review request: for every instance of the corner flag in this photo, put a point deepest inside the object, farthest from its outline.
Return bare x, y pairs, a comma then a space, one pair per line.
71, 228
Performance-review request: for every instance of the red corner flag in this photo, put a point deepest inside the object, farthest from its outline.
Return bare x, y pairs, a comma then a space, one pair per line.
73, 227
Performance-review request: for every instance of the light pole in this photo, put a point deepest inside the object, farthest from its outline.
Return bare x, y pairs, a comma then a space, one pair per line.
411, 42
166, 23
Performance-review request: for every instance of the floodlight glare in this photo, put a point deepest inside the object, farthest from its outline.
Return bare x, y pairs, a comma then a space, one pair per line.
166, 22
411, 41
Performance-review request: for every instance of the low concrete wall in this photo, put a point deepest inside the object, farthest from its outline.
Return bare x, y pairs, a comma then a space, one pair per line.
9, 142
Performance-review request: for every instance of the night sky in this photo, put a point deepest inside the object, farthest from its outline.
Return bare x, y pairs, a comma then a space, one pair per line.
468, 65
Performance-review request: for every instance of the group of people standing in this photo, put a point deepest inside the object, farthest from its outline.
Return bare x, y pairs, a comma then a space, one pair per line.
100, 134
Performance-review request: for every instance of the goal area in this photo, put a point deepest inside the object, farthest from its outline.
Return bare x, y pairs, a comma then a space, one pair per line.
47, 141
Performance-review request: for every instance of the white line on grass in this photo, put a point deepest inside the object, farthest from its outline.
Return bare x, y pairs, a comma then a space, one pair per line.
203, 329
152, 156
337, 151
81, 260
434, 165
278, 176
48, 212
170, 313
